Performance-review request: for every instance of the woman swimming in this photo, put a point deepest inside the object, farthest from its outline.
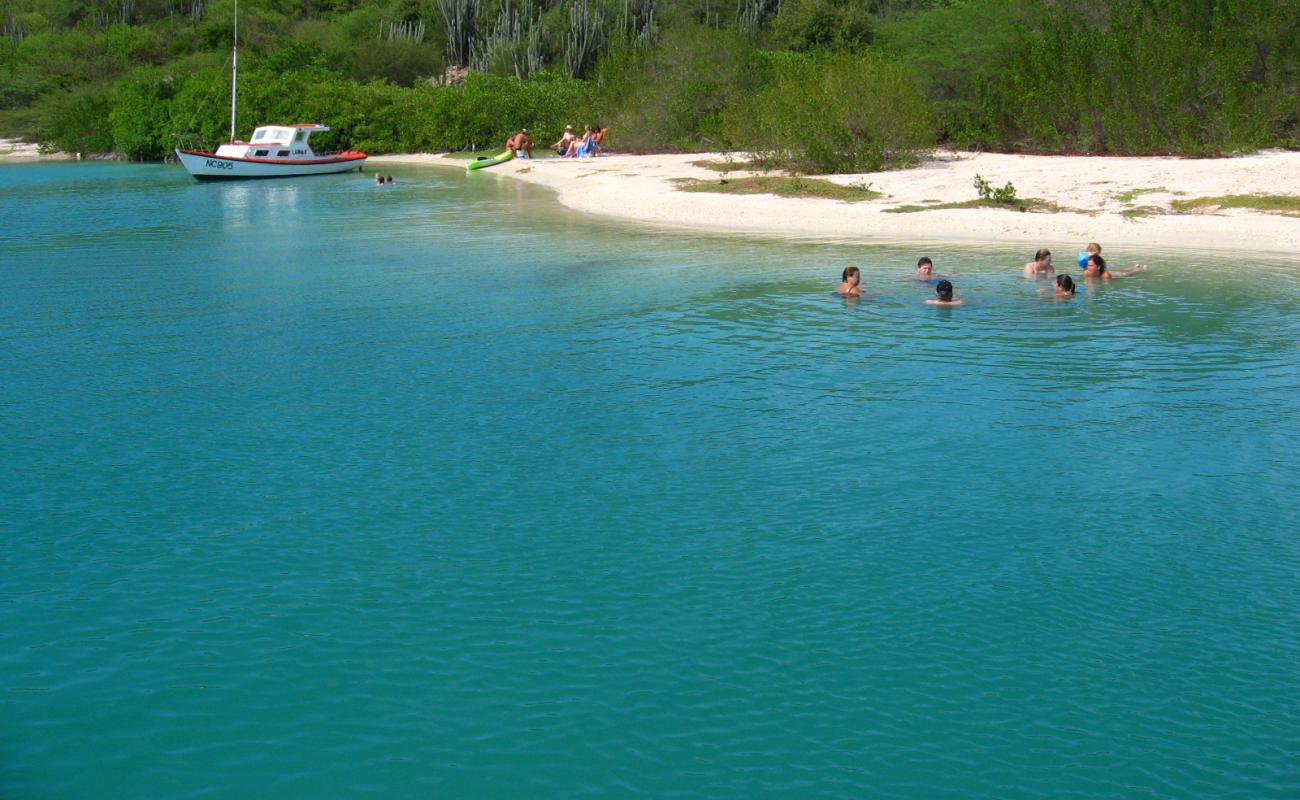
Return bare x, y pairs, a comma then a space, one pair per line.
943, 290
1096, 268
1064, 287
851, 277
1041, 266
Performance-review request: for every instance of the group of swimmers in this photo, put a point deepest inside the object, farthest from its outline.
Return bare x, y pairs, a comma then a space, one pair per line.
1094, 268
380, 180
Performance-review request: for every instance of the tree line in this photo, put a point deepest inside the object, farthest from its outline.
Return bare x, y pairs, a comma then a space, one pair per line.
811, 85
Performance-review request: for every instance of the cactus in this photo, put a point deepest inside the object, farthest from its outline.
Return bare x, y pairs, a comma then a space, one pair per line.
461, 18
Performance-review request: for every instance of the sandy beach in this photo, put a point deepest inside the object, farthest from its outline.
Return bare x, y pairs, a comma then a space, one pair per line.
1117, 201
19, 150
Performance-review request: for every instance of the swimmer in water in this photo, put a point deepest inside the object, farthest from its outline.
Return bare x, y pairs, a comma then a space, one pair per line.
1096, 269
943, 290
851, 277
1093, 249
1064, 287
924, 270
1041, 266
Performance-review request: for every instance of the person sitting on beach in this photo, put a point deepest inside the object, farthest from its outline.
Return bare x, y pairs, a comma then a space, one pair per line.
585, 145
1041, 266
943, 292
850, 278
924, 270
598, 139
521, 144
1096, 269
566, 141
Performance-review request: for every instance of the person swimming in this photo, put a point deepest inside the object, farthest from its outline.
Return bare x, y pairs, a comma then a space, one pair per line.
943, 292
1041, 266
924, 270
1095, 269
1093, 249
1064, 285
850, 279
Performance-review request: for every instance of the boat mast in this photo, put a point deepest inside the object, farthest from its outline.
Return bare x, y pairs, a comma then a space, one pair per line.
234, 72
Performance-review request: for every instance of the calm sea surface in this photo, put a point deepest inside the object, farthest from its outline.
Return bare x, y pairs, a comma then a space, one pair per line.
316, 489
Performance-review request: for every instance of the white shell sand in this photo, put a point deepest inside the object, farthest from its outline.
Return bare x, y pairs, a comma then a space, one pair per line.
641, 189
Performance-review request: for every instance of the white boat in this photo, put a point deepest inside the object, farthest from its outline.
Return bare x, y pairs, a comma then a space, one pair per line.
275, 151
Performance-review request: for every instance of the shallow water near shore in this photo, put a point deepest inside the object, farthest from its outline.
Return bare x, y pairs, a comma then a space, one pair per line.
316, 488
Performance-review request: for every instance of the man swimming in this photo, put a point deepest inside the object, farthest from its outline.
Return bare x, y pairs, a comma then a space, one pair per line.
943, 290
850, 278
924, 270
1041, 266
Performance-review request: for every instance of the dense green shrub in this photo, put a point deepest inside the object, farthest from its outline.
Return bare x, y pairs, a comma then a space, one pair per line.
822, 24
834, 114
671, 96
1145, 76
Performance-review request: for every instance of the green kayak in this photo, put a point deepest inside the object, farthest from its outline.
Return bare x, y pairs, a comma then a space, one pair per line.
490, 161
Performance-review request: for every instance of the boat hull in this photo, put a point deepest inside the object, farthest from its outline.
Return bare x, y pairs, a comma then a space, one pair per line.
210, 166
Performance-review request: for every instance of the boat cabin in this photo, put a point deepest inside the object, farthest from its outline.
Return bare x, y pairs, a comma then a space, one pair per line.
275, 142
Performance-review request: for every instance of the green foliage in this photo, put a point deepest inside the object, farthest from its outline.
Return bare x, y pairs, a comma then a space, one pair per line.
1147, 76
823, 85
987, 191
841, 25
139, 114
671, 96
834, 114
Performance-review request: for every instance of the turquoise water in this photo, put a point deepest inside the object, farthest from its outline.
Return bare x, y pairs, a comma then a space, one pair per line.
315, 489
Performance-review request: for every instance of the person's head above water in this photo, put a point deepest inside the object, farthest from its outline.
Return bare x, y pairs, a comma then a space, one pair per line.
1064, 284
1096, 265
925, 265
944, 290
851, 275
1043, 255
1093, 249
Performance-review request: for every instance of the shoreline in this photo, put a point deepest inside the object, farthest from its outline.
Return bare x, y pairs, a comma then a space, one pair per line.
1095, 193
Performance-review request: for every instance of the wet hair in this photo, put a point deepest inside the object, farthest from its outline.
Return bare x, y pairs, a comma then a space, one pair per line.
1099, 261
1065, 283
944, 290
924, 260
1093, 246
847, 272
389, 179
1041, 254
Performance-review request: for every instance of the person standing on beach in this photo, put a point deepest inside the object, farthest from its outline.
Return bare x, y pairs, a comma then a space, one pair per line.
850, 279
520, 143
1041, 266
